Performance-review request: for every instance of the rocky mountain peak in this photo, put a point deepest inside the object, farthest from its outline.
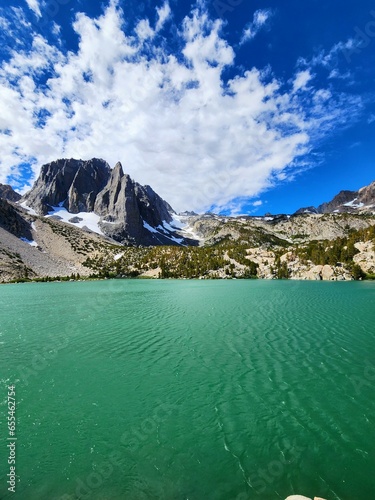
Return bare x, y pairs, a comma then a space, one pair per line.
8, 193
343, 197
306, 210
118, 170
129, 212
346, 201
71, 183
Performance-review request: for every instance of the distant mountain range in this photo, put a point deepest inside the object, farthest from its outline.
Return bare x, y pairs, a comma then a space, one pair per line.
362, 200
84, 218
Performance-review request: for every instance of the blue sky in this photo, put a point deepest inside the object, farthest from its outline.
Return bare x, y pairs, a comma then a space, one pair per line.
228, 105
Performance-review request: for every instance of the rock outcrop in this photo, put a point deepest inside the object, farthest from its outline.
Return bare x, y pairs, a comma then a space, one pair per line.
297, 270
8, 193
366, 256
13, 222
306, 210
366, 195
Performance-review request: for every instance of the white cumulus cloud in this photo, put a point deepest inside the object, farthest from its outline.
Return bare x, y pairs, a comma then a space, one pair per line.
164, 13
301, 80
34, 6
200, 140
260, 18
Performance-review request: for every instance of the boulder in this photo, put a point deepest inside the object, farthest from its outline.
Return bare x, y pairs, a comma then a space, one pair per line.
298, 497
327, 272
301, 497
315, 273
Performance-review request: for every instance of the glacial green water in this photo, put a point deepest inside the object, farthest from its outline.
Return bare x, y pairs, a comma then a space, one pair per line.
216, 390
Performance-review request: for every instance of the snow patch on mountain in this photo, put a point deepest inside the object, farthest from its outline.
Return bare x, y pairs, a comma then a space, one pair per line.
27, 208
353, 204
150, 228
165, 232
32, 243
82, 219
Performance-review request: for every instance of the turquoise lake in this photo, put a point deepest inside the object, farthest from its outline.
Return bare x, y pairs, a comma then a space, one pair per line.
189, 390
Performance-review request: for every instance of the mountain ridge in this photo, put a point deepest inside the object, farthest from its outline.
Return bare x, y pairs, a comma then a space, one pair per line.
111, 226
80, 184
346, 201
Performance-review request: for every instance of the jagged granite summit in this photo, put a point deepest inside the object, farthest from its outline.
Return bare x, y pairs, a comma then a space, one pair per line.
73, 184
128, 212
128, 209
